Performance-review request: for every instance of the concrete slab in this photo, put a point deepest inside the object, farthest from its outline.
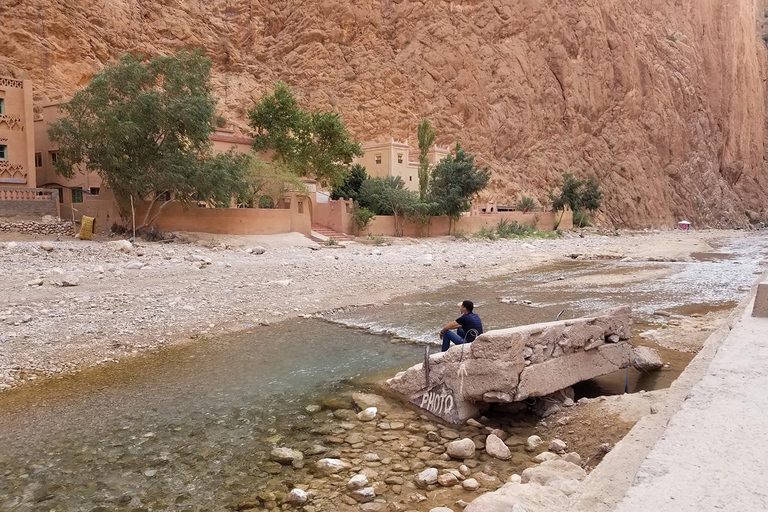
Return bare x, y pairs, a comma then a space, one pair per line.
760, 309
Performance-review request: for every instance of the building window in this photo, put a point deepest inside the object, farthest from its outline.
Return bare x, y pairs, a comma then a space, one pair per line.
77, 195
38, 159
3, 152
61, 194
2, 106
399, 158
410, 178
54, 157
95, 191
378, 159
301, 206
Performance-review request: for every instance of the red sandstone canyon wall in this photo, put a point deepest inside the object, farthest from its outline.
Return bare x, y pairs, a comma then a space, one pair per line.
663, 100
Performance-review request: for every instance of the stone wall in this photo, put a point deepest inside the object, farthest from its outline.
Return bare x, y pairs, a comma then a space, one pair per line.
53, 227
28, 202
510, 365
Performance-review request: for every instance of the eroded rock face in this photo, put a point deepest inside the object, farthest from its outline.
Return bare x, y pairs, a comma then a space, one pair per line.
531, 87
511, 365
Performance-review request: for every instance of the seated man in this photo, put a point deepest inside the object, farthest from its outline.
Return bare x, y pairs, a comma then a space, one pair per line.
468, 324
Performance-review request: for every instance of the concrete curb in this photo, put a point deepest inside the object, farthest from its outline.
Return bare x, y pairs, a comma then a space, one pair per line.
606, 486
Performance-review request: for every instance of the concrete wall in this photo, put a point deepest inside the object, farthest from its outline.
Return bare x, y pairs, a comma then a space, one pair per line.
17, 133
234, 221
28, 202
384, 225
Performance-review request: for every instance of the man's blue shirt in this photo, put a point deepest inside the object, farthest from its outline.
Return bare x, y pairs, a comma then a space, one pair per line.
469, 321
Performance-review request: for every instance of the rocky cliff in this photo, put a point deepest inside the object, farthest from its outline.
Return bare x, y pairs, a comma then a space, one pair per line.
663, 100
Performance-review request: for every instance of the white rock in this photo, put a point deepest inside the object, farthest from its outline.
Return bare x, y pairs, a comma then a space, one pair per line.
368, 414
515, 479
69, 280
297, 497
331, 466
256, 249
427, 477
496, 448
557, 446
441, 509
285, 455
533, 442
134, 265
46, 246
364, 495
122, 246
470, 484
461, 449
573, 458
357, 482
312, 408
35, 282
544, 456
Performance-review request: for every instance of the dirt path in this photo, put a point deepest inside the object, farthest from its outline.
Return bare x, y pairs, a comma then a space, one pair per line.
126, 303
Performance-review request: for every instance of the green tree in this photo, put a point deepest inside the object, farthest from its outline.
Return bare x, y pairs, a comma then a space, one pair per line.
143, 126
350, 187
315, 144
578, 195
455, 181
375, 194
267, 184
426, 136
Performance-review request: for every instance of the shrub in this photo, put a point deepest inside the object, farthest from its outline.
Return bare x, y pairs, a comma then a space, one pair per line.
581, 219
331, 242
486, 233
526, 203
506, 229
362, 216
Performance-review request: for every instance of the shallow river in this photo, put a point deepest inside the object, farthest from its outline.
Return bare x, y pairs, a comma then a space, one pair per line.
187, 428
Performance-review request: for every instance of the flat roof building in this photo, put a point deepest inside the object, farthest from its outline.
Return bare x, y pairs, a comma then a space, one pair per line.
17, 135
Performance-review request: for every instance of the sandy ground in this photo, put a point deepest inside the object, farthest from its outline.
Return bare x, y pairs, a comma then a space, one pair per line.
163, 293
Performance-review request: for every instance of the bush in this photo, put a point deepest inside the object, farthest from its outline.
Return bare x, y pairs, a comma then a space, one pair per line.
486, 233
362, 216
506, 229
581, 219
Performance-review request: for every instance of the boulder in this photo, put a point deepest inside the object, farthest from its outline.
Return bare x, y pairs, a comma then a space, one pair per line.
366, 400
123, 246
256, 249
646, 359
427, 477
447, 480
285, 455
364, 495
46, 246
496, 448
461, 449
470, 484
550, 472
297, 497
557, 446
357, 482
368, 414
545, 456
533, 442
331, 466
524, 497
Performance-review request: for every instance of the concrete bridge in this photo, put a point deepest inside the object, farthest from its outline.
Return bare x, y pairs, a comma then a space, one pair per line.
511, 365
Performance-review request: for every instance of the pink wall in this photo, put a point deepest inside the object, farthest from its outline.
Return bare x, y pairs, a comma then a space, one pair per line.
384, 225
335, 215
235, 221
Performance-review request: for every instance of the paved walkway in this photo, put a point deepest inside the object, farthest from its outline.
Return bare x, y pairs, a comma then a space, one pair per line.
714, 453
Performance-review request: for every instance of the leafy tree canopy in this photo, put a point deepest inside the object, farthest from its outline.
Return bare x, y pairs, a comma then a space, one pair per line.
315, 144
378, 194
143, 126
577, 194
455, 180
350, 187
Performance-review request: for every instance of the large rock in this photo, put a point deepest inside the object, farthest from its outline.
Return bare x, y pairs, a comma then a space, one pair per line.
461, 449
513, 364
496, 448
532, 498
427, 477
552, 471
646, 359
331, 466
285, 455
366, 400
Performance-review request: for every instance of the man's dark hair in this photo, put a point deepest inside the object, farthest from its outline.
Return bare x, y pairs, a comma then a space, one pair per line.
468, 305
